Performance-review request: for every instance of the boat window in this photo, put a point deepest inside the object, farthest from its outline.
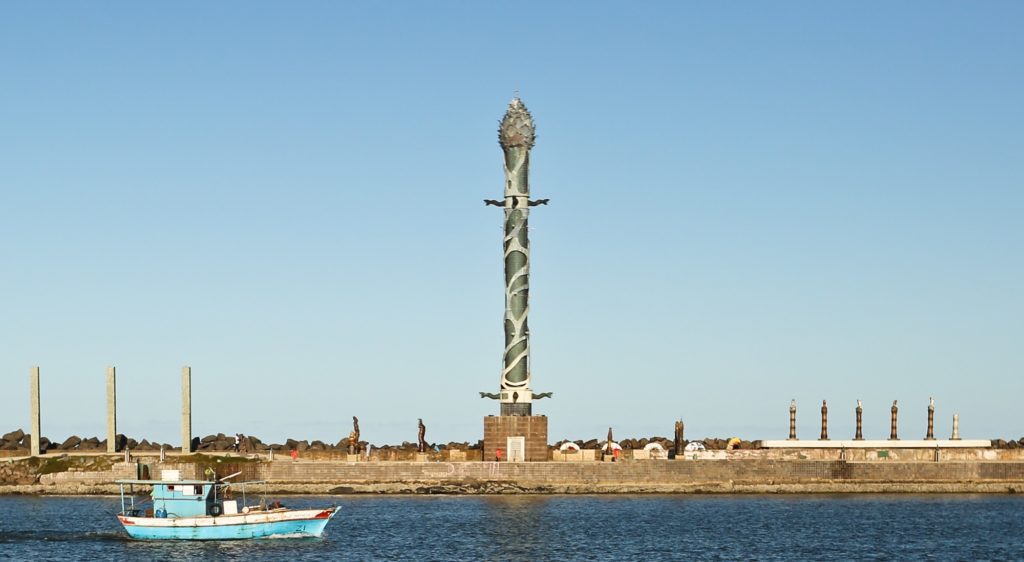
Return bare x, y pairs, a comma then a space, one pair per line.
170, 488
191, 490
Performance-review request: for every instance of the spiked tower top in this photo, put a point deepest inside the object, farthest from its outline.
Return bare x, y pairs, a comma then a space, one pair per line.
516, 129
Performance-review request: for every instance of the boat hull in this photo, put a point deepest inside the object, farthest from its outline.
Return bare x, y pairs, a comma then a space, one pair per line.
299, 523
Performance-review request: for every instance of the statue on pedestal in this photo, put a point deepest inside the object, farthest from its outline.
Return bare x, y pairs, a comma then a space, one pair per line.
422, 434
893, 435
608, 450
931, 420
860, 414
679, 438
824, 421
792, 420
353, 438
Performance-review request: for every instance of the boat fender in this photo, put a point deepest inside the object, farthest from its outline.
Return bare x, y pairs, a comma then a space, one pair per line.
215, 509
245, 509
161, 513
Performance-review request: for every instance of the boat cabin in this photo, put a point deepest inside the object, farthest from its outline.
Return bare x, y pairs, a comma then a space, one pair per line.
182, 498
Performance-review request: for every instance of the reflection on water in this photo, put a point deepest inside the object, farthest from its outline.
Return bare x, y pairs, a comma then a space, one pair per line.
943, 527
523, 520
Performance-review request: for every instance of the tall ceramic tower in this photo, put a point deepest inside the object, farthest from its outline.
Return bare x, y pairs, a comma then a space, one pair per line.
516, 135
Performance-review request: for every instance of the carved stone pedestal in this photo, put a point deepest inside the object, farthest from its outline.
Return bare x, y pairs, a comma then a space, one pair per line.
503, 432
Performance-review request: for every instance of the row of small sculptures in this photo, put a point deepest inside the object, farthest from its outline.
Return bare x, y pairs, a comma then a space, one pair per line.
353, 437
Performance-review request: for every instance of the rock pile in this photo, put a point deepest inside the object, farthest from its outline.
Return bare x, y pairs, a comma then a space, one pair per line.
14, 440
251, 443
710, 443
18, 440
220, 442
715, 443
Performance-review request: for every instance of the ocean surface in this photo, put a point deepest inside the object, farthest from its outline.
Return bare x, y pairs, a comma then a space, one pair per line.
704, 527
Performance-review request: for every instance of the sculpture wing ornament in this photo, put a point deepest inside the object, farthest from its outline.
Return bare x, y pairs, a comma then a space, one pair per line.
491, 395
540, 395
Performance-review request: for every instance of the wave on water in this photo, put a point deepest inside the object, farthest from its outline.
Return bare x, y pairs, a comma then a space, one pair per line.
290, 536
8, 537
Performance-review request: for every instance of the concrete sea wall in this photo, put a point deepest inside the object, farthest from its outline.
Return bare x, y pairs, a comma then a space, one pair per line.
740, 472
737, 475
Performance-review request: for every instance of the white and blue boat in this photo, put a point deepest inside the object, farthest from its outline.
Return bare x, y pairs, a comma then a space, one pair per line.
209, 510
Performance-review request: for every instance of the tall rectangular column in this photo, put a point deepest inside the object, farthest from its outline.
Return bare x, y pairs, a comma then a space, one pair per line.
186, 409
111, 410
34, 407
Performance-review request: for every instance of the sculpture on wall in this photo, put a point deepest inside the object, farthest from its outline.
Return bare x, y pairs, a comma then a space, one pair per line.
859, 436
824, 421
679, 437
930, 436
421, 437
792, 420
353, 437
893, 436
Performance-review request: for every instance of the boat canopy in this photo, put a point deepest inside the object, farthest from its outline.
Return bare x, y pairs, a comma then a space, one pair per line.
187, 498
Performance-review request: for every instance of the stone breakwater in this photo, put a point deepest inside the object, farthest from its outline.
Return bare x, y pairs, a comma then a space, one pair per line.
740, 475
16, 443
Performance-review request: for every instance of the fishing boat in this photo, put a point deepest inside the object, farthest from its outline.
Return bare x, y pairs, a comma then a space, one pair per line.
210, 510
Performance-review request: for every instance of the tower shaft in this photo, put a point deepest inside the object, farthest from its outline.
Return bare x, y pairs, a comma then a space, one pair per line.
516, 364
516, 135
516, 434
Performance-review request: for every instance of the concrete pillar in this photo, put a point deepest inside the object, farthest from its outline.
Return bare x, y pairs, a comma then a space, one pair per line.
186, 409
34, 407
956, 427
111, 410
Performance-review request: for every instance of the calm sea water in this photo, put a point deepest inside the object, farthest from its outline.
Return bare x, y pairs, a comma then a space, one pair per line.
867, 527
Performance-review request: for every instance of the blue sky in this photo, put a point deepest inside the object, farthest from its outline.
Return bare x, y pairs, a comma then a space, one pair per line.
749, 203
